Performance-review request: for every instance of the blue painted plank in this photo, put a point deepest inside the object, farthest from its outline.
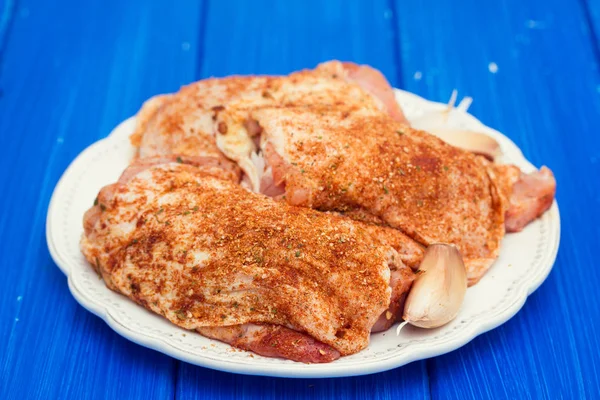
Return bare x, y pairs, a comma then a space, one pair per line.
73, 70
7, 16
592, 23
544, 95
265, 37
401, 383
277, 38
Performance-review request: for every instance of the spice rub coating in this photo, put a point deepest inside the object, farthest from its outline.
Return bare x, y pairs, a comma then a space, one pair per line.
411, 180
204, 252
209, 118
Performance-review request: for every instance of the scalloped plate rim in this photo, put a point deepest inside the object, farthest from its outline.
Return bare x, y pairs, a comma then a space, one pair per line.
299, 370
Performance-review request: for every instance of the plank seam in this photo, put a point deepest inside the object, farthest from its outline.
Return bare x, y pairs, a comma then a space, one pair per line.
594, 36
175, 377
201, 38
428, 367
6, 22
396, 43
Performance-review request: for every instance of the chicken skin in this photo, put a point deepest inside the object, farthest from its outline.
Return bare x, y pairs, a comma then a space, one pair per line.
189, 244
334, 139
367, 163
191, 123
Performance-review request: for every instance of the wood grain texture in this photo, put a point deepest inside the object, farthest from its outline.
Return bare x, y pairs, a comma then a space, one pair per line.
401, 383
544, 95
591, 9
275, 37
70, 71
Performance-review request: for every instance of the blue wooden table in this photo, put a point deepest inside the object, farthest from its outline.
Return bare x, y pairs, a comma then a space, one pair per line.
71, 70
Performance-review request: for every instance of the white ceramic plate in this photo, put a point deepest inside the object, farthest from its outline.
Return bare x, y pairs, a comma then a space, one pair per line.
525, 261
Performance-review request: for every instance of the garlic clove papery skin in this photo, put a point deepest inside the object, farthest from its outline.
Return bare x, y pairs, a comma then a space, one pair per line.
474, 142
439, 289
438, 124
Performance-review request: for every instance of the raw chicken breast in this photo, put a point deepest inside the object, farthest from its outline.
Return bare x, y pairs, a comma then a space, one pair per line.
209, 118
409, 179
279, 280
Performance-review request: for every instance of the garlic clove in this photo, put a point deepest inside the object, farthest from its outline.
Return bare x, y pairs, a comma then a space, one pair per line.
437, 123
474, 142
439, 289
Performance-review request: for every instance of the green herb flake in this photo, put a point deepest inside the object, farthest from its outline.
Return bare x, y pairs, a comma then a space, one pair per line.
400, 133
385, 189
179, 160
186, 213
223, 316
96, 201
446, 168
297, 254
181, 314
196, 208
102, 207
401, 171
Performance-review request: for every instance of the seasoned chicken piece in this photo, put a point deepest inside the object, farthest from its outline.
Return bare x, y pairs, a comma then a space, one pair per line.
183, 123
371, 80
210, 256
273, 341
401, 280
529, 195
212, 166
431, 191
412, 181
209, 118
